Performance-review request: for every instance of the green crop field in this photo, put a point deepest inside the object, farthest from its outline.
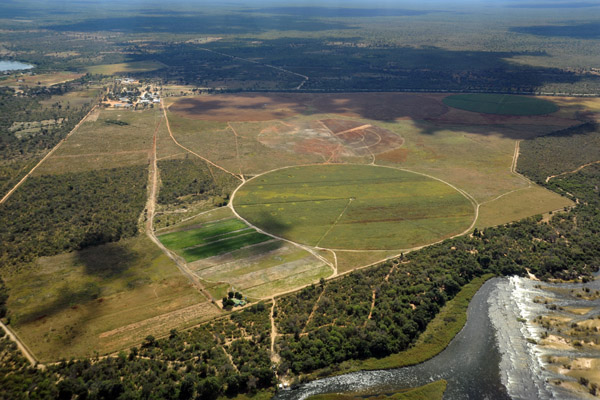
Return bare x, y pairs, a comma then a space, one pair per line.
224, 246
192, 237
128, 67
503, 104
226, 253
212, 239
354, 207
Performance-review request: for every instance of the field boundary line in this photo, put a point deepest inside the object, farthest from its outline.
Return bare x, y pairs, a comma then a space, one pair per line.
335, 222
10, 192
197, 246
192, 217
237, 150
192, 152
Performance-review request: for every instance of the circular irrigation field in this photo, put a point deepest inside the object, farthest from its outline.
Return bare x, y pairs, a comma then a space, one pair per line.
353, 207
502, 104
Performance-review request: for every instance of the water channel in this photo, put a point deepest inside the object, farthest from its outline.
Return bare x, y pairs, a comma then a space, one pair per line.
491, 358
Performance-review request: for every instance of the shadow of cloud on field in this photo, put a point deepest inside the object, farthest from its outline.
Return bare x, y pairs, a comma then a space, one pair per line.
200, 23
106, 261
67, 297
589, 30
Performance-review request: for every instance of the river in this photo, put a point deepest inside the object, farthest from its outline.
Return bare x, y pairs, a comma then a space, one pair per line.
13, 66
493, 356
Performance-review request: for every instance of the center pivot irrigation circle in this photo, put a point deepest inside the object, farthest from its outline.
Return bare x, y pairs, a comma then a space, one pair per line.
353, 207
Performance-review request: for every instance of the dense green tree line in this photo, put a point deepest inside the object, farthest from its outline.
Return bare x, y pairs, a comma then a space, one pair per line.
560, 151
53, 214
184, 365
189, 180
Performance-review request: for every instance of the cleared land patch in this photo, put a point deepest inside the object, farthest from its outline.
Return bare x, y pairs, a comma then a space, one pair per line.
76, 303
353, 207
128, 67
503, 104
332, 139
227, 253
98, 144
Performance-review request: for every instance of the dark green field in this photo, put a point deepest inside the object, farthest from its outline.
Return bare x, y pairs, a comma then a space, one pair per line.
354, 207
212, 239
502, 104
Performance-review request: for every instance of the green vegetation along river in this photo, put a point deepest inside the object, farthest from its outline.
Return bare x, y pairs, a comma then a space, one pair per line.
507, 349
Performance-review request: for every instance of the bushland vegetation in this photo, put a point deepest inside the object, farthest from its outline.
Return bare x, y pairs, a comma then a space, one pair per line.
224, 357
559, 152
52, 214
188, 180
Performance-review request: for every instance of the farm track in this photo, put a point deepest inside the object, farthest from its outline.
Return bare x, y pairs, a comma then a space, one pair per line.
194, 153
275, 359
150, 210
312, 312
572, 172
304, 77
10, 192
22, 346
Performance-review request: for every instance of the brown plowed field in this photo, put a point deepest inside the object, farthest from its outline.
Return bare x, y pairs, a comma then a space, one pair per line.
265, 107
331, 138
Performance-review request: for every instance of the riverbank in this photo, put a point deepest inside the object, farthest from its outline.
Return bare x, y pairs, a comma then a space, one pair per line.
438, 334
470, 363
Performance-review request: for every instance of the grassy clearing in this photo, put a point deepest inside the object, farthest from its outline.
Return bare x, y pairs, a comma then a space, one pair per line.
128, 67
431, 391
353, 207
71, 99
347, 260
101, 299
98, 144
519, 205
503, 104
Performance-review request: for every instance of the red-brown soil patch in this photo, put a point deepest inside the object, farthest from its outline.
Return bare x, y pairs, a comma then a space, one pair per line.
271, 106
395, 156
331, 138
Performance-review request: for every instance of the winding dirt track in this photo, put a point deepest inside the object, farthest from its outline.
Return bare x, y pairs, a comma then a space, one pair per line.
572, 172
150, 210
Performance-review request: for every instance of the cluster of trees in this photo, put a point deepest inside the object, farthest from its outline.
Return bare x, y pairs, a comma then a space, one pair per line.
184, 365
52, 214
27, 108
189, 180
228, 300
560, 151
